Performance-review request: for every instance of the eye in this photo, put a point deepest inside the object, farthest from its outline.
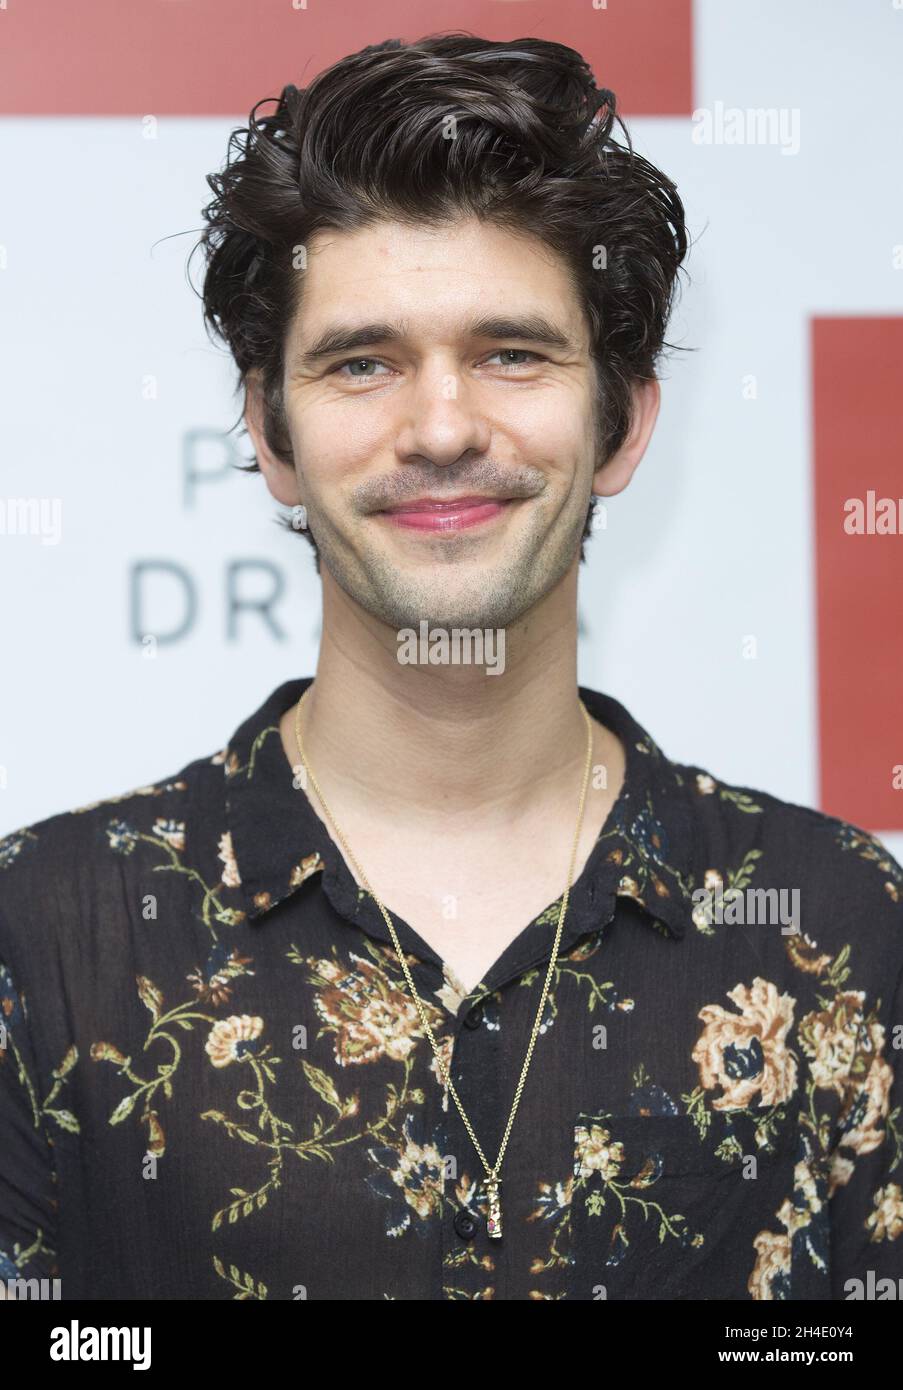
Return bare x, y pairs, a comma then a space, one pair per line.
369, 362
358, 362
517, 352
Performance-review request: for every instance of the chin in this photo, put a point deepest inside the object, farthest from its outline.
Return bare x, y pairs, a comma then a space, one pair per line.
439, 608
470, 592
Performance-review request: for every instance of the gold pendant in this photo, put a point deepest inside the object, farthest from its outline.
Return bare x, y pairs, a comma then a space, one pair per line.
494, 1217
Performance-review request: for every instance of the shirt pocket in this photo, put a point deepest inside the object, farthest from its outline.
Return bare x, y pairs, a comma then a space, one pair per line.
660, 1212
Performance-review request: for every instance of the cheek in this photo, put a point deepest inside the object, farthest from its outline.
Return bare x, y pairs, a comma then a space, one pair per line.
555, 425
332, 452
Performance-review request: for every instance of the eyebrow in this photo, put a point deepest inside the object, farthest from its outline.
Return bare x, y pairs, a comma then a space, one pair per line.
533, 328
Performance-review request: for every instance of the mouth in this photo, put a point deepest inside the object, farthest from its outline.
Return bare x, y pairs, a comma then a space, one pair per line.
443, 514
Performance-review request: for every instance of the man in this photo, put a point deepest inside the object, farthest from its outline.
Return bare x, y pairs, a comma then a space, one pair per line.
315, 1017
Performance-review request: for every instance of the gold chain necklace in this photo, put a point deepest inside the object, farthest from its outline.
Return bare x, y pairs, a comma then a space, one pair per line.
492, 1181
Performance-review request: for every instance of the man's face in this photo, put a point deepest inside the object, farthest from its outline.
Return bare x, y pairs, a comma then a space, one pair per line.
433, 400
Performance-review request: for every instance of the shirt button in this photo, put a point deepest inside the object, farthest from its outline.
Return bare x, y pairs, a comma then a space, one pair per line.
475, 1017
466, 1224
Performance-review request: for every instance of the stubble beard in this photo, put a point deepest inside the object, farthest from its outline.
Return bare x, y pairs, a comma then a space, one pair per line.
494, 597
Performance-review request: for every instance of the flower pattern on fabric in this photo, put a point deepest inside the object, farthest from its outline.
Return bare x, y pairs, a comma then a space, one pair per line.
212, 1067
745, 1054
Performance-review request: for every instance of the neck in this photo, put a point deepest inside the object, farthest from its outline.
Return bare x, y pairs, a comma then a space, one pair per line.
426, 744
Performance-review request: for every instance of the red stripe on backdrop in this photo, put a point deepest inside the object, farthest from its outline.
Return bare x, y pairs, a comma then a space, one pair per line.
218, 57
858, 423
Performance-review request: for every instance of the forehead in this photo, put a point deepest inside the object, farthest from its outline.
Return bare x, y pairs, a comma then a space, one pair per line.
433, 275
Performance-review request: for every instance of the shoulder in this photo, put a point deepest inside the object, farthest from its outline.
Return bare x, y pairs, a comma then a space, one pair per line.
848, 884
60, 873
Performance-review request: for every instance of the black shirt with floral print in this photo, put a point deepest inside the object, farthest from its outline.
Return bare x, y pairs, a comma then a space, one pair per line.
214, 1083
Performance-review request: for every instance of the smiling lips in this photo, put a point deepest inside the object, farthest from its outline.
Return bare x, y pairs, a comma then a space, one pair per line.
442, 514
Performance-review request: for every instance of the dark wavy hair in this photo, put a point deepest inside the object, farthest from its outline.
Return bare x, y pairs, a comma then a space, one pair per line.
533, 152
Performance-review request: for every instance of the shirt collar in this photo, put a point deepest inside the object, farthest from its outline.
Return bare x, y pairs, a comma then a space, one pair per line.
275, 840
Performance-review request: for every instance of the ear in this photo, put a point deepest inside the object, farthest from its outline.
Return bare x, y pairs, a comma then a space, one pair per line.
614, 475
280, 478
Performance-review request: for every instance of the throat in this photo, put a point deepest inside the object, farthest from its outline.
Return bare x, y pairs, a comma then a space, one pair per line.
471, 904
468, 891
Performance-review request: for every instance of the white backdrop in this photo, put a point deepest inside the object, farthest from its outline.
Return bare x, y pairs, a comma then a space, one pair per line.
113, 401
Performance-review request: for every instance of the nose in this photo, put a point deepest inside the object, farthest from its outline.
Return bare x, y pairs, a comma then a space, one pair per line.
443, 420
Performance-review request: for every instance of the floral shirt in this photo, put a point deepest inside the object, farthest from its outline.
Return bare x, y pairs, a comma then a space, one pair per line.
214, 1083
